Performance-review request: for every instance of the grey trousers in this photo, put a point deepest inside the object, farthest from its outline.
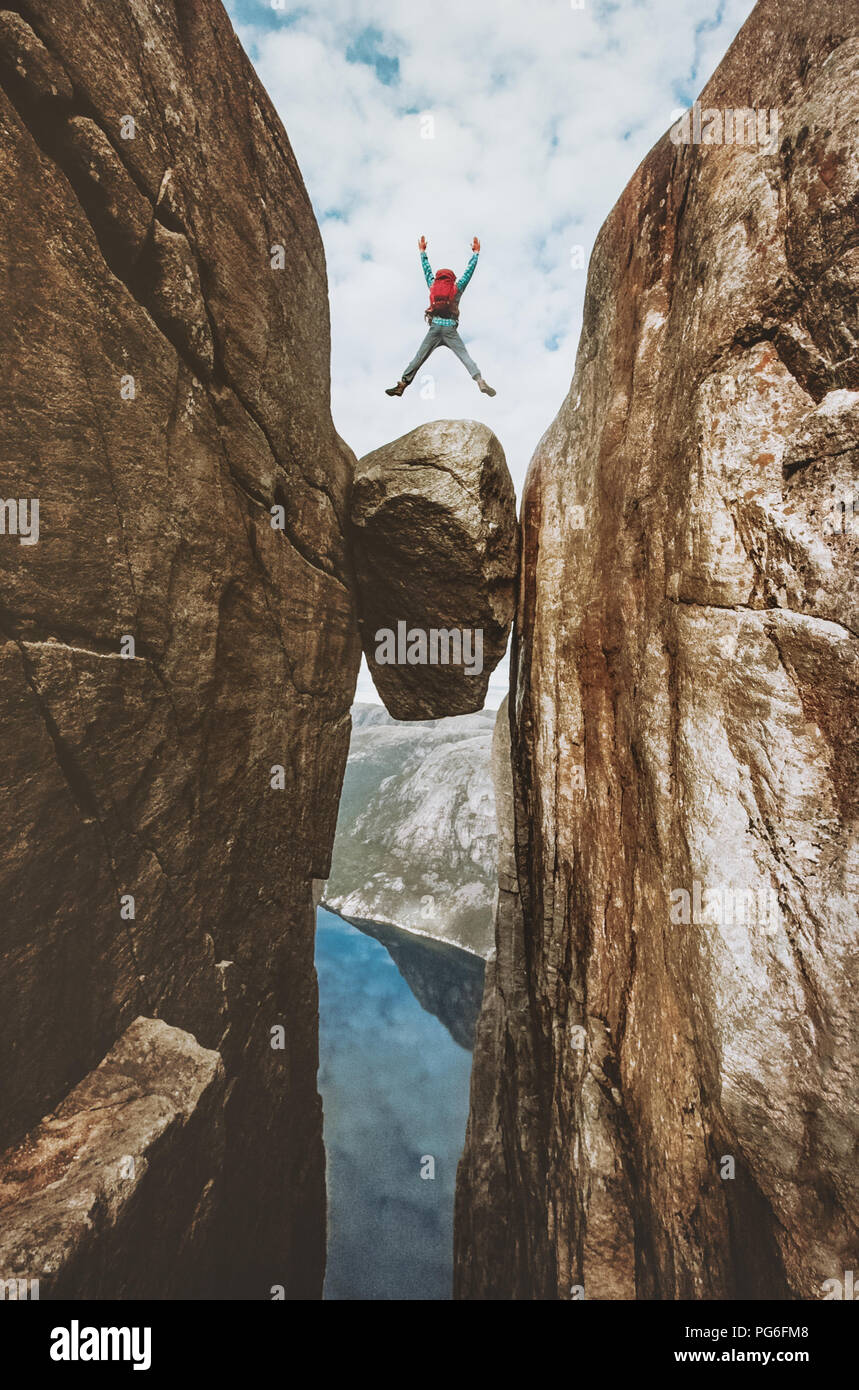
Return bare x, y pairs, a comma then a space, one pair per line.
440, 337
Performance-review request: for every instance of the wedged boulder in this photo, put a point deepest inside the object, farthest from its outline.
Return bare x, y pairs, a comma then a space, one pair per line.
129, 1161
664, 1095
436, 551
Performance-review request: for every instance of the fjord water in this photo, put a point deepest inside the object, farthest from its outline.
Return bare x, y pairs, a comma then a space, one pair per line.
394, 1088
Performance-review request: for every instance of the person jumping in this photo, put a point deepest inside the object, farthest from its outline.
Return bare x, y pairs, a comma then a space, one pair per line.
443, 317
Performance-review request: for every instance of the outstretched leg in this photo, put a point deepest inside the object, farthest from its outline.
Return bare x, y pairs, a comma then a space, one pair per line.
429, 344
452, 340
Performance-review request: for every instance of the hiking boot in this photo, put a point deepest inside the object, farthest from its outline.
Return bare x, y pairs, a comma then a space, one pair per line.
399, 389
485, 387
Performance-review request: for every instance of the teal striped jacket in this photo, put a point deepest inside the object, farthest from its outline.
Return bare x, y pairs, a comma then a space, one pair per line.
460, 284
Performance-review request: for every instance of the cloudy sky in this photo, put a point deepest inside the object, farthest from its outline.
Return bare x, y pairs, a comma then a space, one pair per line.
519, 121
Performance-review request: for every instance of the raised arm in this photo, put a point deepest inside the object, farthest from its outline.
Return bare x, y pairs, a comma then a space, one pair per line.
427, 268
470, 268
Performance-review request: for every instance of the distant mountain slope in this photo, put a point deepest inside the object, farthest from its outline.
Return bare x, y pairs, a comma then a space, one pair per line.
416, 838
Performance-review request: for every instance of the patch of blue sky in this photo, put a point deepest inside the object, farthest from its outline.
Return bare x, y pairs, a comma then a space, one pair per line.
266, 14
368, 47
635, 130
690, 83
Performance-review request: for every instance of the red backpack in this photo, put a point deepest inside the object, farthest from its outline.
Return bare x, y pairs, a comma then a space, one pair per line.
444, 297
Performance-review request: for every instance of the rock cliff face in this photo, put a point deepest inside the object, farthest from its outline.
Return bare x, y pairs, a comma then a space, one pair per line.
661, 1103
415, 841
178, 650
436, 555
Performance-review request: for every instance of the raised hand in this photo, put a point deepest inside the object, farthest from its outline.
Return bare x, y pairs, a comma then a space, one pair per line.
422, 244
475, 245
